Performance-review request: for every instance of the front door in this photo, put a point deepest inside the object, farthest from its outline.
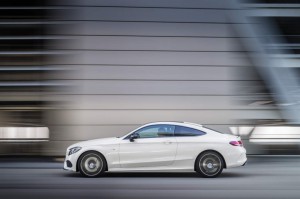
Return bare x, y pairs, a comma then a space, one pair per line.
155, 146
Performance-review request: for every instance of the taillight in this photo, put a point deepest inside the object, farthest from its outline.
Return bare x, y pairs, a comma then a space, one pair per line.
236, 143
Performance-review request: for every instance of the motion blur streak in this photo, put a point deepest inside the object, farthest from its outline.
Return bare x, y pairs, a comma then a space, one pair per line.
92, 69
85, 69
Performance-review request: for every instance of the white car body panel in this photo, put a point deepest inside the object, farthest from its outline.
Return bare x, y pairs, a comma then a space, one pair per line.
162, 153
150, 152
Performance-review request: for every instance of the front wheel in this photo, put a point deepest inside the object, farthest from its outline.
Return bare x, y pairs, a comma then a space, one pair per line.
92, 164
209, 164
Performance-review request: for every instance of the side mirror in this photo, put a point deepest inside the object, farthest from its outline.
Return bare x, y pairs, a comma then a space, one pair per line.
133, 137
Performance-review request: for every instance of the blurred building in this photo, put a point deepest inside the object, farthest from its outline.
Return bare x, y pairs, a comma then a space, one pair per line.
98, 68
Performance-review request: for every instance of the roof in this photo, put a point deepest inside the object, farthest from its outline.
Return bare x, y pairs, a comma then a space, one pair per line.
190, 124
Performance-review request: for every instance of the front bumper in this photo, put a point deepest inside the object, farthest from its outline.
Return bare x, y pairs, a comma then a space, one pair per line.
71, 161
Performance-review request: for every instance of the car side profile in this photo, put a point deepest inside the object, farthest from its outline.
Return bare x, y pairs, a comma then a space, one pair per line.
158, 146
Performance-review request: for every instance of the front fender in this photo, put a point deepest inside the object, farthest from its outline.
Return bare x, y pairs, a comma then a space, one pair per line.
110, 153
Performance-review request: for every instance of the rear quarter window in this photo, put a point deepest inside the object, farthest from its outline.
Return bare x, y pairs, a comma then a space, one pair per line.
181, 131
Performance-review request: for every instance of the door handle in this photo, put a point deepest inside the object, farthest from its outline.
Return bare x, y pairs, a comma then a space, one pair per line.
168, 142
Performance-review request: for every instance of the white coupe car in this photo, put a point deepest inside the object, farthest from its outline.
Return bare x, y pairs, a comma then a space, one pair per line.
156, 147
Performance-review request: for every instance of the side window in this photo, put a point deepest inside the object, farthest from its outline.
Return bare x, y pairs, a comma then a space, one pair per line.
154, 131
186, 131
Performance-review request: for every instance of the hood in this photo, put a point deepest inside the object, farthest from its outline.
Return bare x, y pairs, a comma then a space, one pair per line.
94, 142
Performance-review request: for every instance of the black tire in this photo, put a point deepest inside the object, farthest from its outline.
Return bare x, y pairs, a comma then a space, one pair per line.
92, 164
209, 164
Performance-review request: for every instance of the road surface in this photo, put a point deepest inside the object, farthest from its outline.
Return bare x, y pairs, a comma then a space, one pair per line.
263, 177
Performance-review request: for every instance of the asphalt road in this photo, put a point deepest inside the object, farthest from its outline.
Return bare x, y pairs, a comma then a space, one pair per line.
262, 177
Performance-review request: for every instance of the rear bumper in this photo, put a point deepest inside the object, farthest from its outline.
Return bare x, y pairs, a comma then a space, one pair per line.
237, 158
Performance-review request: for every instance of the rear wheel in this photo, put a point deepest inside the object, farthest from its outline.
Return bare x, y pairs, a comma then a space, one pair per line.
209, 164
92, 164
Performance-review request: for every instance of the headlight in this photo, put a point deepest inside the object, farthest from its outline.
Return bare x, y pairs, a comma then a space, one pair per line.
74, 150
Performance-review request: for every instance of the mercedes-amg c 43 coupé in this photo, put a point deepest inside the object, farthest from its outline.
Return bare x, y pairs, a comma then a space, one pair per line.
159, 146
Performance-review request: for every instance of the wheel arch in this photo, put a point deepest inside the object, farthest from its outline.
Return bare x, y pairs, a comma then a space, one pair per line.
89, 151
210, 150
